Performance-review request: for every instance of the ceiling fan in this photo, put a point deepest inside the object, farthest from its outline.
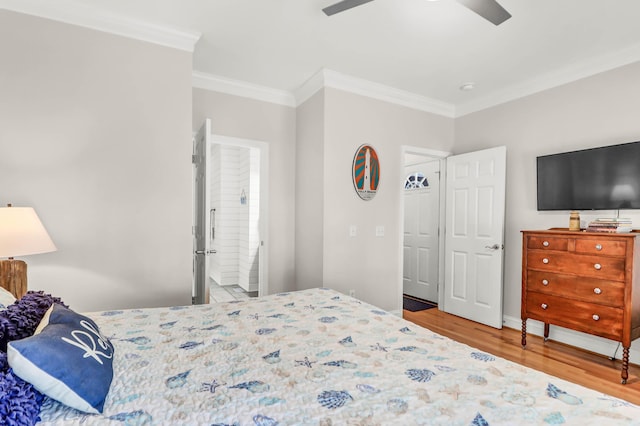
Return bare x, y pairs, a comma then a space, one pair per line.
488, 9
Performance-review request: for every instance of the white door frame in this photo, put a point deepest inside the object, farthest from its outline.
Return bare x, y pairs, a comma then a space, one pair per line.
263, 288
436, 155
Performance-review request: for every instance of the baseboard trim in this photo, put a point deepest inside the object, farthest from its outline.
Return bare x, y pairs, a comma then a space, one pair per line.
585, 341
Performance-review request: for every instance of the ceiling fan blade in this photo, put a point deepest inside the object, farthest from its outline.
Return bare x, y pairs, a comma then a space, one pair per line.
488, 9
342, 6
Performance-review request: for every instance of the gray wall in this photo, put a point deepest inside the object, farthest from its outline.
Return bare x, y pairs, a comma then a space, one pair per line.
370, 265
596, 111
276, 125
310, 187
95, 134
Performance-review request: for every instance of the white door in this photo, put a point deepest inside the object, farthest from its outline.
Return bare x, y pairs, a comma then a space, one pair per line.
474, 236
421, 242
200, 291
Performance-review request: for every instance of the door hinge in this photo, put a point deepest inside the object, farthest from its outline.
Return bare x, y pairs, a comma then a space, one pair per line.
194, 159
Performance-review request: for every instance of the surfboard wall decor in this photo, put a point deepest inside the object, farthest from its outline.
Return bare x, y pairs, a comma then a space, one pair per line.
366, 172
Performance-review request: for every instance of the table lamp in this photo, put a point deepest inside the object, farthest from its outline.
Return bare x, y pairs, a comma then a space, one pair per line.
21, 233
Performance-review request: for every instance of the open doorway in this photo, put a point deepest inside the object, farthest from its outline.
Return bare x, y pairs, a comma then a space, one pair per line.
230, 217
471, 232
423, 213
238, 186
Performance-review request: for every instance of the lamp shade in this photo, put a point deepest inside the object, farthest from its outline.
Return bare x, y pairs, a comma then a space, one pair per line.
22, 233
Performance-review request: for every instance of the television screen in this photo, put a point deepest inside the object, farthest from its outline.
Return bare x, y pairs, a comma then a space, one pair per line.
606, 178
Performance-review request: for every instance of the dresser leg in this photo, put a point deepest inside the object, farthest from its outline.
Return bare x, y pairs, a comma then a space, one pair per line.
625, 365
524, 334
546, 331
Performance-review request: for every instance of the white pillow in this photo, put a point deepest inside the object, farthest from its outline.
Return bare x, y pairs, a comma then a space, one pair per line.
6, 298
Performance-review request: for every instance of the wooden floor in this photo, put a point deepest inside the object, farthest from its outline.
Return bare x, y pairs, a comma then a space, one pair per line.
585, 368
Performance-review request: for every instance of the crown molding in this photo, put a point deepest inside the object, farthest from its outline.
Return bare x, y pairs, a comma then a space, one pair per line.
323, 78
328, 78
566, 75
243, 89
78, 13
310, 87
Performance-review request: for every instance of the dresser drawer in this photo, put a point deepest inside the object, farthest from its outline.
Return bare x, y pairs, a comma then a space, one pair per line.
609, 268
608, 247
593, 290
547, 243
590, 318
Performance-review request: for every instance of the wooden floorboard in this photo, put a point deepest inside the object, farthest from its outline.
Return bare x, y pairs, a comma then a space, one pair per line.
591, 370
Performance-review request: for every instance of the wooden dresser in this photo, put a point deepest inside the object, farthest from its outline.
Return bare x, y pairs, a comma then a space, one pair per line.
584, 281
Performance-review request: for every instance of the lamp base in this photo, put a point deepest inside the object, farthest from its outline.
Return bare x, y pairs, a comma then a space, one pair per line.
13, 276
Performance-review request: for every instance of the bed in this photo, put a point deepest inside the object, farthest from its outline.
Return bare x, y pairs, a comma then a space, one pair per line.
316, 357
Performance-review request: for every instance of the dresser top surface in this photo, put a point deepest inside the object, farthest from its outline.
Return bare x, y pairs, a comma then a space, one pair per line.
566, 232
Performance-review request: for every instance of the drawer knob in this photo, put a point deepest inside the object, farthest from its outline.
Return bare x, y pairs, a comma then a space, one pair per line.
545, 282
597, 290
544, 306
598, 247
596, 317
597, 266
545, 243
545, 261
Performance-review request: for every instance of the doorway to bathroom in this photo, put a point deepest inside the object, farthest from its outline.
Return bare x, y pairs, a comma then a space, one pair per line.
236, 216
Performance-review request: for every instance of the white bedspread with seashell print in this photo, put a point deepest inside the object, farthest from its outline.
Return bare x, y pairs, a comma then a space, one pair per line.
318, 357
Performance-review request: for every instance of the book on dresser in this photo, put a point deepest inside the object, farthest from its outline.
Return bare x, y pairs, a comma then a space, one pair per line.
611, 225
583, 281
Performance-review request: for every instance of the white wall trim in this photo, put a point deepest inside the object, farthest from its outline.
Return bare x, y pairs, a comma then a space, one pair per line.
320, 80
243, 89
78, 13
427, 152
586, 341
310, 87
328, 78
554, 79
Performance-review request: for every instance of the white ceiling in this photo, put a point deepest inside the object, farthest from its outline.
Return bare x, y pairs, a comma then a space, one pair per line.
426, 48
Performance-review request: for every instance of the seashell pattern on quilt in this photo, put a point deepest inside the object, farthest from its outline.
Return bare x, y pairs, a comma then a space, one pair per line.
318, 357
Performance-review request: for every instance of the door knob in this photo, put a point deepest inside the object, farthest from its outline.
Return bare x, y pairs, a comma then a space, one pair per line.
205, 252
493, 247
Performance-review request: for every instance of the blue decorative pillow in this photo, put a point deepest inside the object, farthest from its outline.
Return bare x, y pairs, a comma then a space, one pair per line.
69, 360
19, 402
20, 319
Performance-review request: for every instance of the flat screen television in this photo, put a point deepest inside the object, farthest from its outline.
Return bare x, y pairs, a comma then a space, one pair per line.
605, 178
